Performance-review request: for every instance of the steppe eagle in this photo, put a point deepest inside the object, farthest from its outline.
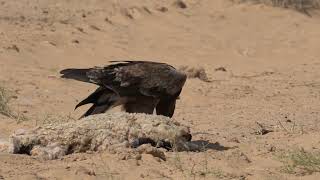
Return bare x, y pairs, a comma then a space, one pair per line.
140, 86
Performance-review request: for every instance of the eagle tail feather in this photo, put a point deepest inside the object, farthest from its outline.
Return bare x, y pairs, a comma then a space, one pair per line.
76, 74
92, 98
96, 109
102, 99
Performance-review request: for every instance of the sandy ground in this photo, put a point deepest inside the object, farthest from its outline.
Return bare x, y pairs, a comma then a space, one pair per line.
271, 57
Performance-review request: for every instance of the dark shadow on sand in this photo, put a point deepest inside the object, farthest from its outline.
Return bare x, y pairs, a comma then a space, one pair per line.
202, 145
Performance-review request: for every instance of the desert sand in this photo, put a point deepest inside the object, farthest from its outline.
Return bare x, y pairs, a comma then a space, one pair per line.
261, 104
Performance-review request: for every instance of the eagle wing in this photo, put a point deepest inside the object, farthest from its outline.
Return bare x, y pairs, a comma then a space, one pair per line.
132, 78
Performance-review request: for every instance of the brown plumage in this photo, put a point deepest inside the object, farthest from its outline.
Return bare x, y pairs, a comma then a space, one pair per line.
140, 86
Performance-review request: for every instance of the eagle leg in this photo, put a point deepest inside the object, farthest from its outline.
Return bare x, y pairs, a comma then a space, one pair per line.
166, 107
141, 104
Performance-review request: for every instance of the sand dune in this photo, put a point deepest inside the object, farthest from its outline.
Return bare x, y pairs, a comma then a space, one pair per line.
262, 63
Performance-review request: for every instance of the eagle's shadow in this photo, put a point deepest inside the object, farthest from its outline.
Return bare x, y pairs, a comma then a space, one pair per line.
193, 146
203, 145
